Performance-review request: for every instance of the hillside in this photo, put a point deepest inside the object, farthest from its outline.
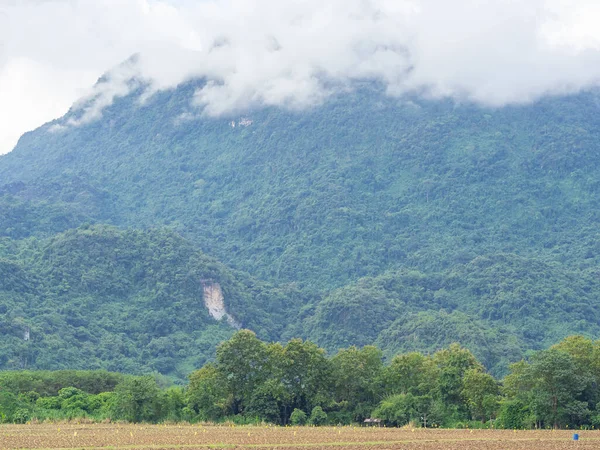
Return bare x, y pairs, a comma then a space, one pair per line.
130, 301
408, 223
349, 189
500, 307
134, 301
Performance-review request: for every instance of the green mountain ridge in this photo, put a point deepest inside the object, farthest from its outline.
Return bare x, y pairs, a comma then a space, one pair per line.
131, 301
408, 223
363, 182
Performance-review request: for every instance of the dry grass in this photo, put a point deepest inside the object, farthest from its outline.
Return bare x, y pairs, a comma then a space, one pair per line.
111, 436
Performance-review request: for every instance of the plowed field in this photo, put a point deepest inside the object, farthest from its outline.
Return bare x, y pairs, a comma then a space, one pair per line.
110, 436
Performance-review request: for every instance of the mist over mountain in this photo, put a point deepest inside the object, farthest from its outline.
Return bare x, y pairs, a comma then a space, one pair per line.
407, 221
293, 55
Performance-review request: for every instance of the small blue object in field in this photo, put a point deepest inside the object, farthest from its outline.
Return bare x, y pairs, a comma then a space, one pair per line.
575, 437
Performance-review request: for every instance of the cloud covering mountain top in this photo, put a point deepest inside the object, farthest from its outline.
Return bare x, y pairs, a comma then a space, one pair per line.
293, 53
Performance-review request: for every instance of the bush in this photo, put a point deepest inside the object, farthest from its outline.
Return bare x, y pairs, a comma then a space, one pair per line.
340, 417
239, 419
396, 410
136, 400
318, 416
298, 417
29, 397
21, 416
48, 402
68, 392
513, 415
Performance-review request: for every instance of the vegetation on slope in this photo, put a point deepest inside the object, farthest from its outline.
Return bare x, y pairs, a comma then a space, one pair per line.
407, 223
499, 307
359, 185
99, 297
132, 301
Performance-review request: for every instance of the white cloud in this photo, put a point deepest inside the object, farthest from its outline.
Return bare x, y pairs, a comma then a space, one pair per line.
292, 53
32, 93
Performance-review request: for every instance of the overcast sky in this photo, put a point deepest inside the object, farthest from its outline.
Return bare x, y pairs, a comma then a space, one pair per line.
292, 53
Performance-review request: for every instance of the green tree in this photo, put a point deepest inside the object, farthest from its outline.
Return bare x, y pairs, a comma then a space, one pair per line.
411, 373
298, 417
479, 388
519, 382
557, 388
357, 373
305, 374
586, 356
550, 387
453, 363
318, 416
9, 405
206, 394
137, 399
244, 364
514, 414
396, 410
269, 402
173, 402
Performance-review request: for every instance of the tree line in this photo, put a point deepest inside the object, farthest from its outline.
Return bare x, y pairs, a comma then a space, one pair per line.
297, 383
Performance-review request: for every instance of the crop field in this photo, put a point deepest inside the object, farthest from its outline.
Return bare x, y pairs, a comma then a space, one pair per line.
111, 436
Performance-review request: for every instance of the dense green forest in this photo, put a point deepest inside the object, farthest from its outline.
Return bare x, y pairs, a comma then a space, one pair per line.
405, 223
354, 187
297, 383
99, 297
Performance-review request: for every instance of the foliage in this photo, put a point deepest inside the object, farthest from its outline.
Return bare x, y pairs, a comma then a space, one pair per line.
207, 393
552, 388
298, 417
243, 361
396, 410
356, 376
42, 383
480, 391
317, 416
137, 400
130, 301
351, 188
408, 225
514, 414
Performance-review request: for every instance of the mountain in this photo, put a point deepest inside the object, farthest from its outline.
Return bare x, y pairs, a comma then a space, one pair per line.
499, 306
99, 297
407, 222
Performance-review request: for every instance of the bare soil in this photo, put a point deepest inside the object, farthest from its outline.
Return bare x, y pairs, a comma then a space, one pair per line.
111, 436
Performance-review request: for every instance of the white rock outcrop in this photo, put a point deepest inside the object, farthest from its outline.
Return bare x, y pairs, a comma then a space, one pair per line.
215, 303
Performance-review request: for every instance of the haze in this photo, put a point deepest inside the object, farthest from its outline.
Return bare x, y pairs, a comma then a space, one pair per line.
294, 53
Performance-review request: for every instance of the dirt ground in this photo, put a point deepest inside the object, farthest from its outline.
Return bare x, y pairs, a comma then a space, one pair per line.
111, 436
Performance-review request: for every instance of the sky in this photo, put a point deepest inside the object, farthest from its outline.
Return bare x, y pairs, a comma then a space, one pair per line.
291, 53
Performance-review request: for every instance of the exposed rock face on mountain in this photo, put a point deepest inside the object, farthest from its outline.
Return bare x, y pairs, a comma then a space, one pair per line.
215, 303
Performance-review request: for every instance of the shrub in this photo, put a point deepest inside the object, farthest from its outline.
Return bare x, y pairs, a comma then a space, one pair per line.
513, 414
298, 417
20, 416
48, 402
396, 410
318, 416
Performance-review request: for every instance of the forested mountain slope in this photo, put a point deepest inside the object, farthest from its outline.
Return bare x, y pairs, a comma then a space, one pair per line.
497, 306
408, 223
131, 301
41, 208
356, 186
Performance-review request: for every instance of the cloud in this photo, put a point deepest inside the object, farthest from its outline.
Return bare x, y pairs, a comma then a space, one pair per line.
294, 53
